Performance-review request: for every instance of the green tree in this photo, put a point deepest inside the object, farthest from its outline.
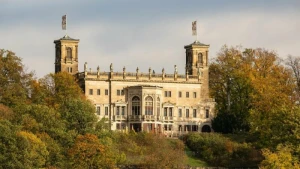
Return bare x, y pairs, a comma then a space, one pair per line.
231, 88
36, 152
12, 147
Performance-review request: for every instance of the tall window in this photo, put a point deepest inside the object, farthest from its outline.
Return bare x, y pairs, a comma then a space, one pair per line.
136, 105
91, 91
106, 91
194, 113
187, 94
118, 110
98, 91
158, 106
187, 113
165, 111
69, 53
179, 112
149, 106
170, 111
200, 58
106, 111
195, 95
206, 113
179, 94
98, 110
123, 110
118, 92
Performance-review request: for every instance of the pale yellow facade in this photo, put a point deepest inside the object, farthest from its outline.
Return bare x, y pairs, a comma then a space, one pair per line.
155, 102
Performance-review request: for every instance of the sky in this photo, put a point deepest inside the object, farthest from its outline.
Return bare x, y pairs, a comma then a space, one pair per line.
140, 33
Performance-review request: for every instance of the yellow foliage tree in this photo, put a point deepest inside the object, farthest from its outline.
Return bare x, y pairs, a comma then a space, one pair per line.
281, 158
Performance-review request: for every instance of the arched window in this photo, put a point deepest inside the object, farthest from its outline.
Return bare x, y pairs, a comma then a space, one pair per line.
200, 58
149, 106
69, 53
158, 106
136, 105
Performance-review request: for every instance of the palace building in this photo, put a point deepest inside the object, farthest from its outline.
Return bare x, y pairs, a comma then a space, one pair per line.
146, 101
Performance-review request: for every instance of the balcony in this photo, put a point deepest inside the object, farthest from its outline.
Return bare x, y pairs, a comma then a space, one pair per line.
168, 118
135, 117
120, 117
149, 117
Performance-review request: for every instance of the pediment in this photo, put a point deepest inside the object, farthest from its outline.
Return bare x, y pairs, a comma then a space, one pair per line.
120, 102
168, 104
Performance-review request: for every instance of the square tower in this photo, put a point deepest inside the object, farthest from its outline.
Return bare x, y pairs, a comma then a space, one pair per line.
197, 63
66, 55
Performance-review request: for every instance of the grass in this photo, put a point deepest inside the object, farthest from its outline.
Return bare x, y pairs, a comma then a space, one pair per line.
194, 161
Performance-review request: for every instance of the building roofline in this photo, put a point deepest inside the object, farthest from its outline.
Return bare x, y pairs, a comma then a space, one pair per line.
67, 38
196, 43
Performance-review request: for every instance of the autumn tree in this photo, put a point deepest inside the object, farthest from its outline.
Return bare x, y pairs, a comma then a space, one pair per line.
231, 88
14, 80
280, 158
293, 63
88, 152
36, 152
248, 84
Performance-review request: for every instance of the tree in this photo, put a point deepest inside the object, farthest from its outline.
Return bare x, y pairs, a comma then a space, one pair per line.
36, 152
79, 115
281, 158
248, 85
294, 64
88, 152
231, 88
12, 147
14, 81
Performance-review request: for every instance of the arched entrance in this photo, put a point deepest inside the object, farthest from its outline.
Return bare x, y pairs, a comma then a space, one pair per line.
206, 129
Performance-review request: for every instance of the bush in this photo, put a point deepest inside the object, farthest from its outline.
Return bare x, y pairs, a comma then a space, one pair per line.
220, 151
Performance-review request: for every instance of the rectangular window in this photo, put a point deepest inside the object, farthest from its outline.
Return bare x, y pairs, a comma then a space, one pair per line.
98, 91
179, 127
118, 110
206, 113
98, 110
106, 91
179, 94
149, 127
118, 92
70, 69
91, 92
106, 111
170, 127
187, 94
194, 113
168, 94
170, 111
166, 127
165, 111
195, 95
179, 112
118, 126
187, 113
123, 110
122, 92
